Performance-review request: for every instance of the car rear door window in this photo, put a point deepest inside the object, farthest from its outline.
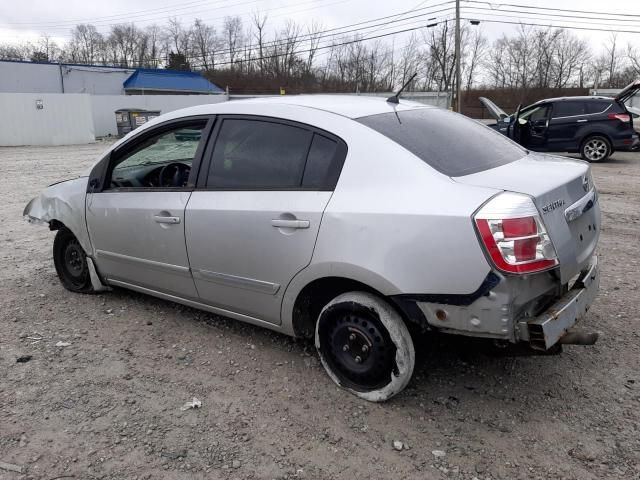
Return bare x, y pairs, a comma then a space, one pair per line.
450, 143
320, 170
596, 106
256, 154
568, 109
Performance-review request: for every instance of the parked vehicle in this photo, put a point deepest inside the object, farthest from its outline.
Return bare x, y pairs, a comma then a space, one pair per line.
348, 220
595, 127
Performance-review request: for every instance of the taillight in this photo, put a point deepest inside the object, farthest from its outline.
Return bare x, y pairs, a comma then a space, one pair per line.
623, 117
513, 234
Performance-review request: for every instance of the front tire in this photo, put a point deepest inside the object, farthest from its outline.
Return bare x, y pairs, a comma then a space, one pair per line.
596, 149
364, 346
70, 261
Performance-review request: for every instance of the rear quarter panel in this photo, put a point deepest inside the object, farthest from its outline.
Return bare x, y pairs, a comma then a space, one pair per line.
396, 225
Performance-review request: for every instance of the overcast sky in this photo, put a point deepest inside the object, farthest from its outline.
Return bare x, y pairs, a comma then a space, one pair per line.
27, 19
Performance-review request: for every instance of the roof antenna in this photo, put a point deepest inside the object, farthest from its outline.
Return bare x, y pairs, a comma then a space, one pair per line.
394, 98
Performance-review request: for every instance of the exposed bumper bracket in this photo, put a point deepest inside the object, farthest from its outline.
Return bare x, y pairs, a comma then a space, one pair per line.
547, 329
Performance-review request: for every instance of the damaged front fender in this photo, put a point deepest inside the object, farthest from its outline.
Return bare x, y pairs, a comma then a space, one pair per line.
63, 203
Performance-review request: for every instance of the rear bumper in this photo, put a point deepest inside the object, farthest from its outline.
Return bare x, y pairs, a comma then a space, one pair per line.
545, 330
626, 145
510, 308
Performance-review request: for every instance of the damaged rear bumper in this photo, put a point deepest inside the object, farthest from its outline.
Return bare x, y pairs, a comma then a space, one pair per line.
534, 309
547, 329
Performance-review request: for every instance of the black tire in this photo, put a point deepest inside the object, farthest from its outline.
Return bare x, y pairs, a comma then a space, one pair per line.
71, 262
595, 148
365, 346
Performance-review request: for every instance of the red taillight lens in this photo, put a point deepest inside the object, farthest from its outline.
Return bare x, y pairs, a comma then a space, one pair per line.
519, 227
623, 117
518, 243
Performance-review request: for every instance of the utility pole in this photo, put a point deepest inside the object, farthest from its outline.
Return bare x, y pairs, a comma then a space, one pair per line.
458, 103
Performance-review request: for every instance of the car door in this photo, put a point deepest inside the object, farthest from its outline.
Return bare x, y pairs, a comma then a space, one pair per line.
136, 220
567, 118
253, 222
538, 123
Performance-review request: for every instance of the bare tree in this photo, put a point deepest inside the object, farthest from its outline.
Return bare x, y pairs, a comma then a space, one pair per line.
570, 53
313, 37
232, 29
85, 43
476, 48
611, 52
204, 43
259, 22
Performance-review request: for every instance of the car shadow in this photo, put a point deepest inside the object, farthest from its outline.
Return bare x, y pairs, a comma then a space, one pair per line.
449, 365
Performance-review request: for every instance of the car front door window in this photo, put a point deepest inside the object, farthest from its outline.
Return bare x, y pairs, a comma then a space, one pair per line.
160, 161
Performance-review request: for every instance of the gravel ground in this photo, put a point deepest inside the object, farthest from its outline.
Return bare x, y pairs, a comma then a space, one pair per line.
108, 404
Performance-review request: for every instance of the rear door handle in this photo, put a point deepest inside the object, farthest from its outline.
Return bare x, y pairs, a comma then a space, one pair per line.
164, 219
582, 121
280, 223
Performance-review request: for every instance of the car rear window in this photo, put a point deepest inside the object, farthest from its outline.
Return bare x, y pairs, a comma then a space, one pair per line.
451, 143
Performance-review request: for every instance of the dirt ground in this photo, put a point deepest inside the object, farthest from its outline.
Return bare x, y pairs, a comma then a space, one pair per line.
108, 405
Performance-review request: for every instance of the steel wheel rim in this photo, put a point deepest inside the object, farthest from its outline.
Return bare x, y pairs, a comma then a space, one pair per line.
360, 351
75, 263
595, 149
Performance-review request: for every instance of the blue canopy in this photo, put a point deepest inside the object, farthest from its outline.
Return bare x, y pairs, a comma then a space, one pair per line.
149, 79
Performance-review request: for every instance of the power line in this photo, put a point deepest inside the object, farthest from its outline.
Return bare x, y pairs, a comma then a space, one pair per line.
145, 17
333, 45
171, 7
164, 16
324, 46
342, 30
492, 5
323, 34
552, 26
562, 17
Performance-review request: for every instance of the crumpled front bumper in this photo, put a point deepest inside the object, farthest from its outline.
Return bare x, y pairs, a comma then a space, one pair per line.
545, 330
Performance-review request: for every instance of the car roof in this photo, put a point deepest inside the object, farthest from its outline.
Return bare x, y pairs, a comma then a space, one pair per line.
350, 106
568, 99
291, 107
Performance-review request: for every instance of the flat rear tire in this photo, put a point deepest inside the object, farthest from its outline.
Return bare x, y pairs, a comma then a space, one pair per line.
365, 346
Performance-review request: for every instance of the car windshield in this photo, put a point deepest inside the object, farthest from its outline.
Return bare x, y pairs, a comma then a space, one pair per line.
450, 143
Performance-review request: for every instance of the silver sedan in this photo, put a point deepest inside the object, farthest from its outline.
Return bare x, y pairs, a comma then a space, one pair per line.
352, 221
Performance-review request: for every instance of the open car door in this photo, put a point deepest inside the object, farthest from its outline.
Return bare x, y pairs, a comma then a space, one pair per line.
515, 127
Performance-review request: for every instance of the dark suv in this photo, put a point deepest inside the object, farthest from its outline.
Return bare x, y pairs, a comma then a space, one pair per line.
593, 126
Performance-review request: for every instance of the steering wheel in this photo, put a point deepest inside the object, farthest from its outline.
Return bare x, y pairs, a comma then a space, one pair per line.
173, 175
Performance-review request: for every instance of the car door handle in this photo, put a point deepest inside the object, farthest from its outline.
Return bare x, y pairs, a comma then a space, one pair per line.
280, 223
582, 121
165, 219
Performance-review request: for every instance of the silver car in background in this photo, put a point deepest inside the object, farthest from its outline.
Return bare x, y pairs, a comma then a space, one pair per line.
352, 221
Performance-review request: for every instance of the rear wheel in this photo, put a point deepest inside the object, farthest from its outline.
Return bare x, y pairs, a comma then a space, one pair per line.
71, 262
365, 346
595, 149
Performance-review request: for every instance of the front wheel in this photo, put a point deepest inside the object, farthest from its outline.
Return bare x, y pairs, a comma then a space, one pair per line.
365, 346
595, 149
71, 262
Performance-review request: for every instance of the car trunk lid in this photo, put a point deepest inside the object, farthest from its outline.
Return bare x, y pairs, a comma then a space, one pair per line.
627, 92
564, 194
